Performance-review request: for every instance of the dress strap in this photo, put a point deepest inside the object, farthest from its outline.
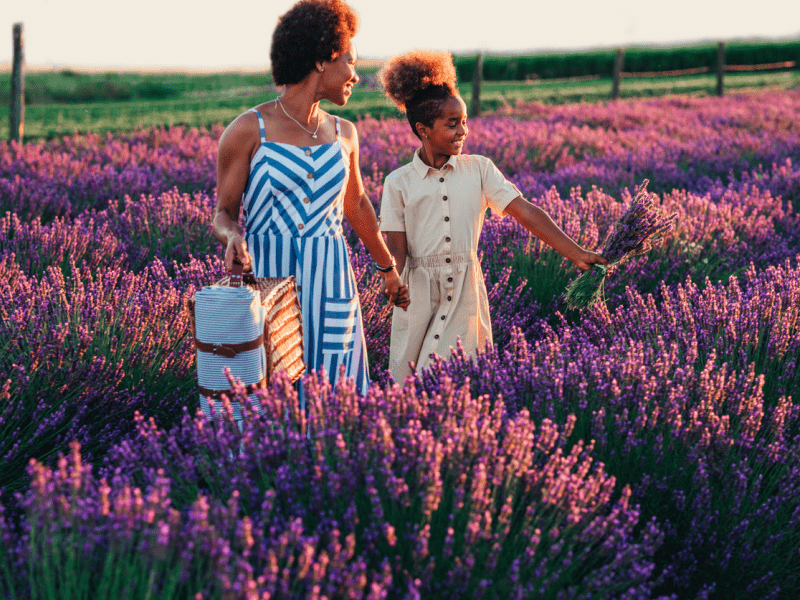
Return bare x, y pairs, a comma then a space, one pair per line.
338, 129
260, 124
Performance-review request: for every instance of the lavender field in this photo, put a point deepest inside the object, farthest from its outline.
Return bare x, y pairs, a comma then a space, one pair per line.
646, 448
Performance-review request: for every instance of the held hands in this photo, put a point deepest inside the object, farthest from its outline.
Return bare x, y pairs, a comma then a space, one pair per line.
393, 290
237, 250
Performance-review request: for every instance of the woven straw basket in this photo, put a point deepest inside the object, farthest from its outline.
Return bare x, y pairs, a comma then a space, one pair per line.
283, 329
252, 356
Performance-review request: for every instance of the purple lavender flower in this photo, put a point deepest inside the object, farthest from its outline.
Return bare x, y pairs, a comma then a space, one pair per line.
638, 229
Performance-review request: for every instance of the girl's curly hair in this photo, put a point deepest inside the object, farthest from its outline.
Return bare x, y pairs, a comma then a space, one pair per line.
311, 31
418, 82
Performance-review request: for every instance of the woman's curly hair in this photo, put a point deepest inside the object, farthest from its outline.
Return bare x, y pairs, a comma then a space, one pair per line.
419, 82
311, 31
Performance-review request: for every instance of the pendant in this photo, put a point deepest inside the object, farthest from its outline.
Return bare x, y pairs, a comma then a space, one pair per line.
314, 135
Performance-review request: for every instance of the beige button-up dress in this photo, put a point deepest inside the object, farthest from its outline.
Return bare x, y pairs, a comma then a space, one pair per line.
442, 213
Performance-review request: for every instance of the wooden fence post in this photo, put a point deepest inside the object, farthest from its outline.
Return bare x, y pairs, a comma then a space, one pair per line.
720, 67
17, 112
619, 62
477, 76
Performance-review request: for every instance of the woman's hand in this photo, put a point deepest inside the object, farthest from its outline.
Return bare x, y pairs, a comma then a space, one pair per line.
237, 251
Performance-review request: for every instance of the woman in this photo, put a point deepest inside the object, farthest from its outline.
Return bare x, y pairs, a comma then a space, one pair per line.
294, 169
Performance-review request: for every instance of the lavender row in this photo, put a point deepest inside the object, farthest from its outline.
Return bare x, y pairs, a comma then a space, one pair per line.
393, 495
172, 228
683, 401
76, 277
702, 145
715, 236
691, 400
67, 176
81, 352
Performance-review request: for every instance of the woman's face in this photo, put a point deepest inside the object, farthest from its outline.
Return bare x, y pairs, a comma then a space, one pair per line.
340, 76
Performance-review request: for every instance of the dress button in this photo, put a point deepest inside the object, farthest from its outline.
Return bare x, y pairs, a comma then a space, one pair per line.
436, 337
449, 298
308, 152
449, 279
447, 260
300, 226
310, 176
447, 218
306, 200
441, 179
443, 317
444, 197
447, 239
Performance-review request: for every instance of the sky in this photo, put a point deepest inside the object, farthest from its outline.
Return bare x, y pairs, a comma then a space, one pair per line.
235, 34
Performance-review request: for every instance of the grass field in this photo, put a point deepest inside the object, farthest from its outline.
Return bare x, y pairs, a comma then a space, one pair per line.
138, 100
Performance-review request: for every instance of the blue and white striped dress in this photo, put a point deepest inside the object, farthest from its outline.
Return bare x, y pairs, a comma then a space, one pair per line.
293, 207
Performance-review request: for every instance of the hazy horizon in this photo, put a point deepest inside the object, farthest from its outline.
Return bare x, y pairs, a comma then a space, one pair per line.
164, 35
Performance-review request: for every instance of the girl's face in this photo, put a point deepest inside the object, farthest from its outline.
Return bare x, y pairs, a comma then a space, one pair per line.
340, 76
446, 137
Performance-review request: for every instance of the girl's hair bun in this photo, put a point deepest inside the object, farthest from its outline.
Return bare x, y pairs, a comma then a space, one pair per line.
404, 76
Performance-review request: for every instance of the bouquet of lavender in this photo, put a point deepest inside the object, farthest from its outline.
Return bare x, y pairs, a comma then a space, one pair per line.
637, 230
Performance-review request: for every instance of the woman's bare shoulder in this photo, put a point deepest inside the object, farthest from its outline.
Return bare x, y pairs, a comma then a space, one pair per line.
348, 134
348, 129
241, 133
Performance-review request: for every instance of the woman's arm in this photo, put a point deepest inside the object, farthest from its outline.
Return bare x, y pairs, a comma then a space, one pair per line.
398, 246
361, 215
539, 223
236, 147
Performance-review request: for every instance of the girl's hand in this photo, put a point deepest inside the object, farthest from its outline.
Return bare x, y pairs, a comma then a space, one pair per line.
403, 298
394, 290
237, 250
587, 259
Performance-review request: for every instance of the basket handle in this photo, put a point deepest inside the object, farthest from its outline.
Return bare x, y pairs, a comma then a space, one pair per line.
236, 274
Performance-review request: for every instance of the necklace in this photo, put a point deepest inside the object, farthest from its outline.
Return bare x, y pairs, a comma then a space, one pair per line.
313, 134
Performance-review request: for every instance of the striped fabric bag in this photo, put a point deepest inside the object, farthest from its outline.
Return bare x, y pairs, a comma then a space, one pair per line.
252, 329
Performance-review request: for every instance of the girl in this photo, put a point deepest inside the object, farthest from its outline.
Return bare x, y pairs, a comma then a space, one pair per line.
432, 213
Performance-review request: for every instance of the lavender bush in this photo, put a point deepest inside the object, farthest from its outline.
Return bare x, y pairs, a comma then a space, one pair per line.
689, 401
429, 495
638, 229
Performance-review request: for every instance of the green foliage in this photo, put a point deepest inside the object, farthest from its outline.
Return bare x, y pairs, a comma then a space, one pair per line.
69, 86
547, 274
601, 62
64, 102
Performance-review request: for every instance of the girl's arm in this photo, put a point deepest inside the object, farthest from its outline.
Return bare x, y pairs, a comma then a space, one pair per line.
361, 215
539, 223
236, 146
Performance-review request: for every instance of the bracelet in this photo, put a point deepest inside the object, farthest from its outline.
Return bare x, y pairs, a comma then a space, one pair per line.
386, 269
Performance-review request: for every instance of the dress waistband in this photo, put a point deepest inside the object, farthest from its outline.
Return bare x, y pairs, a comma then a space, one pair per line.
288, 235
440, 260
